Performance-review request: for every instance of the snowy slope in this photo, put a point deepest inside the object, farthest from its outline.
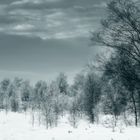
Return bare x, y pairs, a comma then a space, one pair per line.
17, 126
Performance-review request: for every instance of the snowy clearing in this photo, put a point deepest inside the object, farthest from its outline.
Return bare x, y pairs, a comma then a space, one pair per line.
17, 126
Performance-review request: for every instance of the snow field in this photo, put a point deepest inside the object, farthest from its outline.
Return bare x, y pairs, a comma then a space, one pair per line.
17, 126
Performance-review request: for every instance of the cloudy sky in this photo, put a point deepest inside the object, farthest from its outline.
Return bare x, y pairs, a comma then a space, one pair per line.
40, 38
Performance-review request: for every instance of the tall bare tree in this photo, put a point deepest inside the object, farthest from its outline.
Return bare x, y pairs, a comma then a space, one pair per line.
121, 29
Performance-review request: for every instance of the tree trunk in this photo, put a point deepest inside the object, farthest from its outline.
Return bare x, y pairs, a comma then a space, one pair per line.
92, 118
139, 104
135, 109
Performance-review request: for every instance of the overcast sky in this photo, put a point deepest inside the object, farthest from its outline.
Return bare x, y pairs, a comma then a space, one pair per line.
40, 38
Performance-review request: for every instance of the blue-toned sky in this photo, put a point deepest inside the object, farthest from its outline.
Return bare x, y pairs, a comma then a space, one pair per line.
40, 38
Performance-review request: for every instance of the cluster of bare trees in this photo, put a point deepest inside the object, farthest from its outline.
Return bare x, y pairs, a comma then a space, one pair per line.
121, 32
14, 95
88, 96
46, 102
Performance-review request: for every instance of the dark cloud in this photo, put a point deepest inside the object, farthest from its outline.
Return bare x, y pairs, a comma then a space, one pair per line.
9, 19
7, 1
59, 4
51, 18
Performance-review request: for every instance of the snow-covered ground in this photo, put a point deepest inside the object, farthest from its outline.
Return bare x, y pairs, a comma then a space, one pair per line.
17, 126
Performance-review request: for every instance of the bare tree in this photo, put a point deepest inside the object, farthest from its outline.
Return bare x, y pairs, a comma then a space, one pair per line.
92, 95
62, 83
4, 92
121, 29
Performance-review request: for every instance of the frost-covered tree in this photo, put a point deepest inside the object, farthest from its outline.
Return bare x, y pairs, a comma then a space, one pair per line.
114, 99
56, 100
77, 91
120, 30
4, 94
39, 97
26, 91
92, 95
123, 69
15, 94
62, 83
74, 110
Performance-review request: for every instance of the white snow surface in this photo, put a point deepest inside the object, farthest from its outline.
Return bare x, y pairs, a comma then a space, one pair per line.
17, 126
